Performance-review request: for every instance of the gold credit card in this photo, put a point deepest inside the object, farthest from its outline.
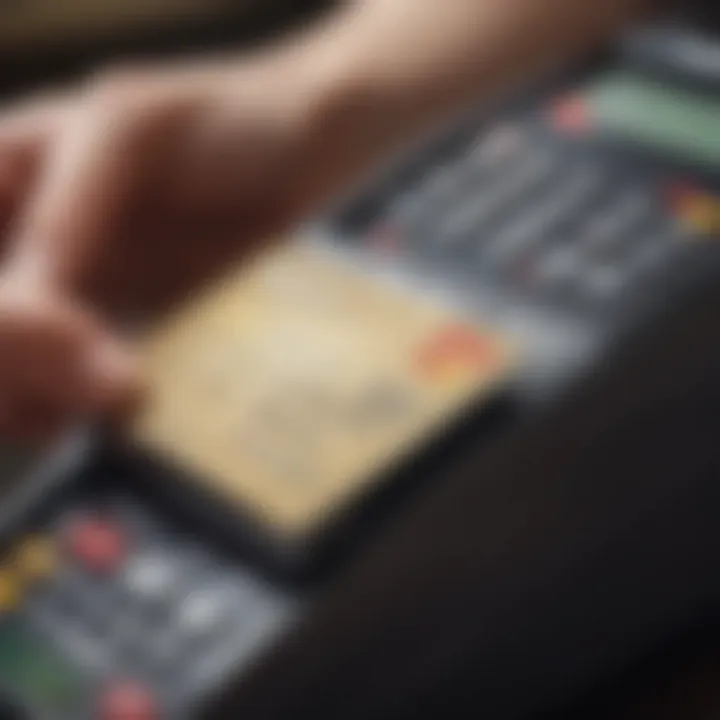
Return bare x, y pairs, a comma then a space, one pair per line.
291, 386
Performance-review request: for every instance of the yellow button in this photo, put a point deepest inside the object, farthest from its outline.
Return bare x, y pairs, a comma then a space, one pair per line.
701, 214
35, 558
11, 590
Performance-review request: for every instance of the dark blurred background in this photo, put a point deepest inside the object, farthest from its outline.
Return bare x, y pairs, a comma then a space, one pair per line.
44, 41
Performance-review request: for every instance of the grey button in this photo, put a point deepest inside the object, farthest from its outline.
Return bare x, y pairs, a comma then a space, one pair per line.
605, 281
497, 146
204, 612
620, 225
442, 184
151, 577
559, 265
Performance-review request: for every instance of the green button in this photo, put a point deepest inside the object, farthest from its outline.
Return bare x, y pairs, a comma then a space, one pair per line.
39, 674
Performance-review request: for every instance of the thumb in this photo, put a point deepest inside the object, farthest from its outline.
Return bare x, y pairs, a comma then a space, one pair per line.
57, 361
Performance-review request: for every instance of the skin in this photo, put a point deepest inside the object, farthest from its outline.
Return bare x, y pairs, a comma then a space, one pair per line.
120, 196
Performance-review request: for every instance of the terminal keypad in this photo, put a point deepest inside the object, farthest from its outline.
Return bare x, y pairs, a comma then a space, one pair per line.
108, 614
525, 211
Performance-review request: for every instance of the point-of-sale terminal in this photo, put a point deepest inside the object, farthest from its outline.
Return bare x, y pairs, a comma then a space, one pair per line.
452, 453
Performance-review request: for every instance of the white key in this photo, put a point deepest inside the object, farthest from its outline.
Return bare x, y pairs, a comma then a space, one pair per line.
205, 611
151, 577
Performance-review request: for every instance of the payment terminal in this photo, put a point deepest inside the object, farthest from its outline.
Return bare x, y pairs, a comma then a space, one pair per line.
449, 453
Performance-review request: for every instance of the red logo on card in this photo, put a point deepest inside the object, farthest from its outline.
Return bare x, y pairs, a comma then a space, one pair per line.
456, 352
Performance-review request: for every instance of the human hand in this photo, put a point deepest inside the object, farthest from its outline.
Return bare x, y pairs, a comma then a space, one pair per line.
122, 197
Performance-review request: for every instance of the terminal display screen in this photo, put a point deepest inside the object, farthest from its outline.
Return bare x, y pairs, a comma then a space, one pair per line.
675, 121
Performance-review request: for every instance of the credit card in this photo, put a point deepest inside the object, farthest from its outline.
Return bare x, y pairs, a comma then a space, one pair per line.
291, 387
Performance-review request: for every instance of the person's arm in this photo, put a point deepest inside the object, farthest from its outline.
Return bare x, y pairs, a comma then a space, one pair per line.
392, 68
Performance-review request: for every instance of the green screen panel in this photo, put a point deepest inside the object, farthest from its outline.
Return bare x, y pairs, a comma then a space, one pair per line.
672, 120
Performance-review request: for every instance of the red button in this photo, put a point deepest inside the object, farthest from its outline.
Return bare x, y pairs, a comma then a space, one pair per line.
98, 544
128, 701
571, 115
